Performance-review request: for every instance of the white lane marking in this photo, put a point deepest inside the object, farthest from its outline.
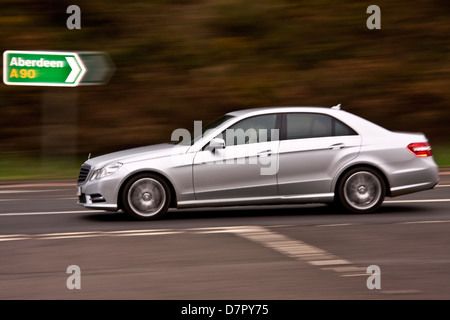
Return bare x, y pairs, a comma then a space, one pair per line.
26, 191
38, 185
295, 249
283, 244
329, 262
146, 233
69, 233
137, 231
89, 234
13, 237
220, 230
348, 271
30, 199
424, 221
70, 237
210, 229
290, 247
42, 213
337, 225
417, 201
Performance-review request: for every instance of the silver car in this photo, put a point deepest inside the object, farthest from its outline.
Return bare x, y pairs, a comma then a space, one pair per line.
261, 156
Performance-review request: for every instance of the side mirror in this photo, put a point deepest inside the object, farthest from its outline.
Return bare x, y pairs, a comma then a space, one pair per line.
216, 143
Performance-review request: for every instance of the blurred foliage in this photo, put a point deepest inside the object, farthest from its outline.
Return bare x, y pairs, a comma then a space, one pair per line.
36, 168
183, 60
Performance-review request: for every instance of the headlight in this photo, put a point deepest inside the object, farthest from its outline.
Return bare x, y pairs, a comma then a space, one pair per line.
106, 171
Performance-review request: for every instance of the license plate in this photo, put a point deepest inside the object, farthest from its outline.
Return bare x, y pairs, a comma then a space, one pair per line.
78, 191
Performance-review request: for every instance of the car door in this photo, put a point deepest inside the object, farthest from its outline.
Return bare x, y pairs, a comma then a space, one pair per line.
247, 165
313, 147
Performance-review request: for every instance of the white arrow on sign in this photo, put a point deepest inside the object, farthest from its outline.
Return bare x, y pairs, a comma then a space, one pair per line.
75, 69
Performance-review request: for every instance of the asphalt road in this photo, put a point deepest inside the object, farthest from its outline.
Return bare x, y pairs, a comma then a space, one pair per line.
271, 252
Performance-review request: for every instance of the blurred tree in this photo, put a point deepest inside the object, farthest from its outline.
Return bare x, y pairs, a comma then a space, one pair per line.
180, 61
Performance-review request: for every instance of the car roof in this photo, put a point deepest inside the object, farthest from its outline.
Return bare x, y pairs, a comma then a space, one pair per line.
359, 124
282, 109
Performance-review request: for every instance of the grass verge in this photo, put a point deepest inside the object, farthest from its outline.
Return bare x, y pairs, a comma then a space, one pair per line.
441, 154
36, 168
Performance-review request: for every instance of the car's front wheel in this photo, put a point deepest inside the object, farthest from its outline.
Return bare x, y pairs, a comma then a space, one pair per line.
361, 190
146, 197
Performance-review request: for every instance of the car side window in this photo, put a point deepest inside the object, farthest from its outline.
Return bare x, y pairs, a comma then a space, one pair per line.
307, 125
341, 129
314, 125
251, 130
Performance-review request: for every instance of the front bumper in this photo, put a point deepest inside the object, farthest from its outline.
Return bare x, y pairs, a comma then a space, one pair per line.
100, 194
94, 201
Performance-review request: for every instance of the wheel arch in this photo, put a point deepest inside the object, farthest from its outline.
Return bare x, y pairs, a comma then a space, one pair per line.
173, 194
362, 165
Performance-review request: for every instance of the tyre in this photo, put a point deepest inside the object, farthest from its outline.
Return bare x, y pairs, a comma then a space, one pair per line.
361, 190
146, 197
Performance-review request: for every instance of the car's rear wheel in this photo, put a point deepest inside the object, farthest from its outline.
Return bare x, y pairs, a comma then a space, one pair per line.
361, 190
146, 197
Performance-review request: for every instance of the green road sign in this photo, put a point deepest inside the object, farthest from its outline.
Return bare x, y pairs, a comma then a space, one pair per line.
41, 68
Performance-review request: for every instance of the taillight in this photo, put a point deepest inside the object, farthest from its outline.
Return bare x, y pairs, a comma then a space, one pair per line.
420, 149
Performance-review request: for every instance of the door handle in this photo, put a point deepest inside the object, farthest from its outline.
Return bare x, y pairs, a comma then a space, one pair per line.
265, 152
337, 146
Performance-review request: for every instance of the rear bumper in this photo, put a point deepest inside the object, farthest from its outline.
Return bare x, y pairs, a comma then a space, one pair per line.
423, 176
398, 191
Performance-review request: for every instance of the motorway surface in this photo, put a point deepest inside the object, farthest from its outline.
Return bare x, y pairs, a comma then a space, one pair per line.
270, 252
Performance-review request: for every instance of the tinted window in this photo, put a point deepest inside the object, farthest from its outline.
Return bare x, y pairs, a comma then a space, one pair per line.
312, 125
251, 130
341, 129
307, 125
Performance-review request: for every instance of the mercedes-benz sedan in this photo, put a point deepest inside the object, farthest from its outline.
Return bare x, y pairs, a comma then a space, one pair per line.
273, 155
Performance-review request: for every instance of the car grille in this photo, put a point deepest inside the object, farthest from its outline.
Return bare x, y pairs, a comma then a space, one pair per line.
84, 172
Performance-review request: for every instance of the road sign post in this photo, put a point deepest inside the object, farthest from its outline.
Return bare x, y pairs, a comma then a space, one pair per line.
42, 68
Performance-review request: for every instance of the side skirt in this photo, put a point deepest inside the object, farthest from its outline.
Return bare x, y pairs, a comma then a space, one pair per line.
308, 198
